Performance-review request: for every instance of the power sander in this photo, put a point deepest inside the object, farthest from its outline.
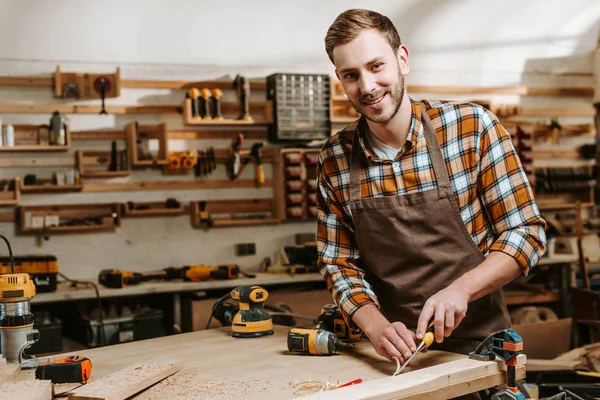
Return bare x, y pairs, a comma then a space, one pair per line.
249, 319
16, 319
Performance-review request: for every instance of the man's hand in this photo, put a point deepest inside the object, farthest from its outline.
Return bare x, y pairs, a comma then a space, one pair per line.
448, 307
388, 339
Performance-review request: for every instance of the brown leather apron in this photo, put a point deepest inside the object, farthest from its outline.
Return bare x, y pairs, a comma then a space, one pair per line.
414, 245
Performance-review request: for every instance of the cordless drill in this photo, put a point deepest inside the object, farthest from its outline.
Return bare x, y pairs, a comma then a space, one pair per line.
314, 341
195, 273
249, 319
331, 320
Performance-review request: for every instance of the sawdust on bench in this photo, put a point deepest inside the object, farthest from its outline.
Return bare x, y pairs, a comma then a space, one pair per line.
188, 386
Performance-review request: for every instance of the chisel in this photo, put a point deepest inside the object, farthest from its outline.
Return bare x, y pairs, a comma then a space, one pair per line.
426, 342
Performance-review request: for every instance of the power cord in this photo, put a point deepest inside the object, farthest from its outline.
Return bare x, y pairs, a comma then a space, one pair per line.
100, 312
10, 254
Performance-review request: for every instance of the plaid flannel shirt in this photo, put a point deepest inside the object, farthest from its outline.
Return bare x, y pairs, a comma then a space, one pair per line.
493, 195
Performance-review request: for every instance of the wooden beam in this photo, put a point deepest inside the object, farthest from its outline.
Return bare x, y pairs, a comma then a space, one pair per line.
172, 185
128, 381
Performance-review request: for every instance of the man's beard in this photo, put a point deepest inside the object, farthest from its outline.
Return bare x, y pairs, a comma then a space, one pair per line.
396, 93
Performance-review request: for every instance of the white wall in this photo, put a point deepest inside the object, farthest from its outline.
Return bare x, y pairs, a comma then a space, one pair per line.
452, 42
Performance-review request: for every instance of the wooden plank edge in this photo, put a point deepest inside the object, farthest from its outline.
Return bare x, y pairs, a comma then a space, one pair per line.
432, 378
467, 386
83, 393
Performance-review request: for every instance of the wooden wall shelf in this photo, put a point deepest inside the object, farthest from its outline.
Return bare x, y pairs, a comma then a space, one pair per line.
135, 132
27, 140
48, 186
151, 209
68, 218
84, 84
228, 121
10, 194
233, 213
88, 162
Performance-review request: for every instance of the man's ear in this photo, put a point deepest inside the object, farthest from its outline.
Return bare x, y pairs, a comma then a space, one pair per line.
337, 74
403, 59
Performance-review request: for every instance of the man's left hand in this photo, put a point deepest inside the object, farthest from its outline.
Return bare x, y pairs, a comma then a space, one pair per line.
448, 307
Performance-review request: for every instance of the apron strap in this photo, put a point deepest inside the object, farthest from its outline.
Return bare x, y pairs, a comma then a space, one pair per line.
355, 162
439, 166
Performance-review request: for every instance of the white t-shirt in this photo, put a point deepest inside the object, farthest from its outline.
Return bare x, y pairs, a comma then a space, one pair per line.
381, 149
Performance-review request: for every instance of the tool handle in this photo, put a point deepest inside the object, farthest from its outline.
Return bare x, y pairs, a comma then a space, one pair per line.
260, 174
429, 334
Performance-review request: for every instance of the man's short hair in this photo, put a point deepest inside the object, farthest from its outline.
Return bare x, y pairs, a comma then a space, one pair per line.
349, 24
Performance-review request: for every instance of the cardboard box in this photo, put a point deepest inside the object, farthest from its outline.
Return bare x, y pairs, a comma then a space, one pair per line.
545, 340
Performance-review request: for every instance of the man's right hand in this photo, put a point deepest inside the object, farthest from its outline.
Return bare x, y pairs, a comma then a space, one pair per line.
389, 339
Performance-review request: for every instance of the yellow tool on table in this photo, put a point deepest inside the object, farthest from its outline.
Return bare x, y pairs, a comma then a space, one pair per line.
425, 343
196, 273
114, 278
331, 320
117, 279
248, 320
315, 341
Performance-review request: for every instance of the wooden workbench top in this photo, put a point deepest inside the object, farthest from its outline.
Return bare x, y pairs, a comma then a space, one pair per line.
219, 366
65, 292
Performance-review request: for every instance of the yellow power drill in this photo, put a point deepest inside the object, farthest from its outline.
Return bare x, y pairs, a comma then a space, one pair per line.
249, 319
331, 320
318, 342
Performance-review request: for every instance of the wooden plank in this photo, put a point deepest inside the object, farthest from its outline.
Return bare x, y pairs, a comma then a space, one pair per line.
128, 381
41, 162
87, 109
520, 90
524, 297
113, 134
439, 382
155, 84
26, 390
565, 91
557, 112
173, 185
45, 81
207, 134
166, 109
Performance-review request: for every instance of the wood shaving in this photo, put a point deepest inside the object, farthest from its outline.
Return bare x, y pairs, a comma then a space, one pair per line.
188, 386
313, 386
397, 366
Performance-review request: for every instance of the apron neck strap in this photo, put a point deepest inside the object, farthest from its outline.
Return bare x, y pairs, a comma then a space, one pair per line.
439, 166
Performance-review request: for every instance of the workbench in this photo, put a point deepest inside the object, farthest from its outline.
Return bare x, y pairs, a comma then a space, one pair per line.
66, 293
262, 368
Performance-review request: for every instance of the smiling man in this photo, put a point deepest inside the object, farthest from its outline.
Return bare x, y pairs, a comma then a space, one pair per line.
425, 212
